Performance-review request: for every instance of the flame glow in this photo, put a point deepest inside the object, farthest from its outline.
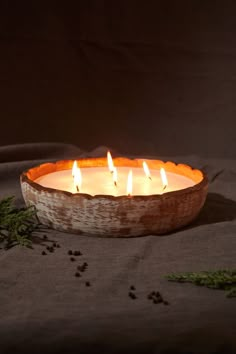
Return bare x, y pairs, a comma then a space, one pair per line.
130, 183
115, 177
74, 168
110, 162
146, 170
163, 178
76, 173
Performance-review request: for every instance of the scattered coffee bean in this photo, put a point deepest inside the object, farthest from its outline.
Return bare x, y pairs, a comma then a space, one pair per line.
70, 253
81, 268
54, 244
72, 259
50, 249
87, 283
156, 298
45, 237
58, 246
77, 253
132, 295
77, 274
85, 264
44, 253
132, 287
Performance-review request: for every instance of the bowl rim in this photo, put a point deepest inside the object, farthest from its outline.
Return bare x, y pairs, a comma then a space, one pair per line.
86, 162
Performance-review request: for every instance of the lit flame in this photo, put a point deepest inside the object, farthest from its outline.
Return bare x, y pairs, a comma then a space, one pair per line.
110, 162
76, 173
74, 168
146, 170
115, 177
130, 183
163, 178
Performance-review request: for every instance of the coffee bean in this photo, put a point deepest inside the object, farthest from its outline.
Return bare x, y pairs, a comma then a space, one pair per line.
77, 253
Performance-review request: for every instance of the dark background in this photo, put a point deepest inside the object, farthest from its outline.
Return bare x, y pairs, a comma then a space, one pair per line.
143, 77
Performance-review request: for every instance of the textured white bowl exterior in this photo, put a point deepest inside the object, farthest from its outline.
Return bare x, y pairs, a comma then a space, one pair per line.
114, 216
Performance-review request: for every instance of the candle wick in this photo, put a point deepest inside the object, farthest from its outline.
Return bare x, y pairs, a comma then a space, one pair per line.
150, 178
164, 187
77, 188
115, 183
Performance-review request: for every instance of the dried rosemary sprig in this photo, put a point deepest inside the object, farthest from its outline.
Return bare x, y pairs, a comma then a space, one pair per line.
16, 224
223, 279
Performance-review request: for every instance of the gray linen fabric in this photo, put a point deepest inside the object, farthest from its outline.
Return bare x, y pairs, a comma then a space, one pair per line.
44, 308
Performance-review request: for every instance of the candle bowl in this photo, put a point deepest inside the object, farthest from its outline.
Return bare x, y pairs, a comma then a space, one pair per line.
107, 215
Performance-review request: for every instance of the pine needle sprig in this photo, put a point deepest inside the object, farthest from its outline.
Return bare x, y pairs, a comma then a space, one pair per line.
16, 224
223, 279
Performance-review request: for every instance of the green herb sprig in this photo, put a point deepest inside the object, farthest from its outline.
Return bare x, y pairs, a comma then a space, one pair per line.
223, 279
16, 224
